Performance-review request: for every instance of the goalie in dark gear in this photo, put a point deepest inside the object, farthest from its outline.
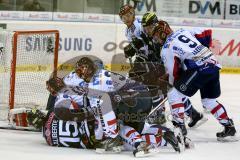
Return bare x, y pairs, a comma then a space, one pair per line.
85, 68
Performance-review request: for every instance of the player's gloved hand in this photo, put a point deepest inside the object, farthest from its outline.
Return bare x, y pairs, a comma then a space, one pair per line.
133, 47
87, 113
164, 77
54, 85
137, 43
129, 51
36, 118
76, 115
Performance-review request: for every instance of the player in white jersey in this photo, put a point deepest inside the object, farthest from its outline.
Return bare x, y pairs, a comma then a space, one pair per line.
191, 67
149, 20
134, 31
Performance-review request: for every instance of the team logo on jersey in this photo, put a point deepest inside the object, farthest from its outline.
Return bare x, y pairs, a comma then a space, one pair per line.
83, 84
65, 96
107, 73
183, 87
178, 50
117, 98
166, 45
109, 82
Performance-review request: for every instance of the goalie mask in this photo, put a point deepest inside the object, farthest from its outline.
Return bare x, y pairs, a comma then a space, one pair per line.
127, 14
161, 31
54, 85
85, 69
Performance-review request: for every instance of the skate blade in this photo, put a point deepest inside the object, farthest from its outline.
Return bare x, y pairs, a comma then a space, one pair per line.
153, 150
116, 150
199, 123
100, 150
189, 144
228, 139
181, 143
142, 154
181, 147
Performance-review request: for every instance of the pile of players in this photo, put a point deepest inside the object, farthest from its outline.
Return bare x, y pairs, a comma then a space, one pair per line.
93, 108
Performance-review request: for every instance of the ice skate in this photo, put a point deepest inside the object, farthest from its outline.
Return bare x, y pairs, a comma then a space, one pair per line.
197, 121
228, 134
143, 149
175, 139
110, 145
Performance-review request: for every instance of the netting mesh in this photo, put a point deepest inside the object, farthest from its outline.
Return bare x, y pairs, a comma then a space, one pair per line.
34, 65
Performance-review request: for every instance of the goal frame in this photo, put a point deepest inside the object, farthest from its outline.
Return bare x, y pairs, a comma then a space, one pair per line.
14, 59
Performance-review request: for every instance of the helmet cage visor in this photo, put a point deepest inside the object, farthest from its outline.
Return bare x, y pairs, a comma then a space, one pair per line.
85, 71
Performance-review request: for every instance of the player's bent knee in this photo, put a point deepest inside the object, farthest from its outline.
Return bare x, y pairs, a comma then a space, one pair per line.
174, 96
209, 103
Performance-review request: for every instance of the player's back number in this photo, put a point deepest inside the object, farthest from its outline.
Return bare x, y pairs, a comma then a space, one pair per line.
185, 39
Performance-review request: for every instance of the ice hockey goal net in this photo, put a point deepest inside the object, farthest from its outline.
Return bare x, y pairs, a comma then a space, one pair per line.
27, 60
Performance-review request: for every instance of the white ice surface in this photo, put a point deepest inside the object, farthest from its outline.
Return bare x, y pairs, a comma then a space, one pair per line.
22, 145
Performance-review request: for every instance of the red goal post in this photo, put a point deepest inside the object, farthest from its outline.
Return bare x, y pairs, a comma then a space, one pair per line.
27, 60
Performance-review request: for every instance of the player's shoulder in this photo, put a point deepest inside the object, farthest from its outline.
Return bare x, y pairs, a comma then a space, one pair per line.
138, 20
50, 124
138, 25
105, 73
69, 76
171, 42
175, 37
199, 30
73, 79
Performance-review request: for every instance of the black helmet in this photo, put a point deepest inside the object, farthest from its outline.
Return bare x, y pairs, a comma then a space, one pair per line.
149, 18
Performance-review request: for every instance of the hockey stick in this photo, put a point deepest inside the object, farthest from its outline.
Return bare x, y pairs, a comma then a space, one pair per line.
130, 61
156, 108
10, 127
